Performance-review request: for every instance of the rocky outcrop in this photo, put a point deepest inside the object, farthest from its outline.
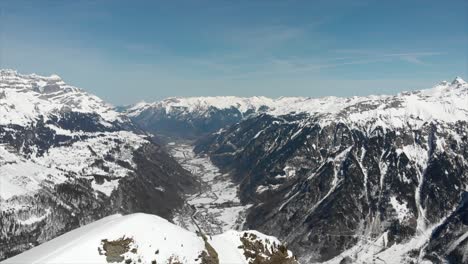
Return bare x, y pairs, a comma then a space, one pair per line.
449, 241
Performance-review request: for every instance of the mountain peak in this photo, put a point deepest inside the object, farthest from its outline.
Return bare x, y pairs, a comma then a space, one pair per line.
54, 77
7, 72
458, 81
12, 72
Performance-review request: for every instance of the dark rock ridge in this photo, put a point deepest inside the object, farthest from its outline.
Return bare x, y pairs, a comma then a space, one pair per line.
324, 187
450, 239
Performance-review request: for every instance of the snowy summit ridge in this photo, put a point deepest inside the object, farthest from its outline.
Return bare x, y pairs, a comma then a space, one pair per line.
144, 238
447, 101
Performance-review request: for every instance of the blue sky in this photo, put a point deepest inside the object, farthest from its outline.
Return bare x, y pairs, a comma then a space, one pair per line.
128, 51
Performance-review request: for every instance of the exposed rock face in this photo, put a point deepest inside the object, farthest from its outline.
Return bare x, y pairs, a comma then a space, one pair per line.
363, 179
67, 159
450, 239
340, 179
320, 188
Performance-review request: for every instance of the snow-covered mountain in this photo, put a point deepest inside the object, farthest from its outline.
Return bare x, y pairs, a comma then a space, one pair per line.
148, 239
67, 158
340, 179
356, 180
26, 98
195, 116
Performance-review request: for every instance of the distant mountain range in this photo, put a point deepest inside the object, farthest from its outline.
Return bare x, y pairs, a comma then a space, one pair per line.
195, 116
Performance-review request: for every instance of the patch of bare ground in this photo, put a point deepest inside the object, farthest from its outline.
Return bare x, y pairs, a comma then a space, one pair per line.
258, 252
115, 249
208, 256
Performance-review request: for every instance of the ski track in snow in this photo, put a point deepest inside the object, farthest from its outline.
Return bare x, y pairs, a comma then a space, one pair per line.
215, 207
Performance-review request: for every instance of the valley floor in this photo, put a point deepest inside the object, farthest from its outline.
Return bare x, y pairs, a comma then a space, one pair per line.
215, 207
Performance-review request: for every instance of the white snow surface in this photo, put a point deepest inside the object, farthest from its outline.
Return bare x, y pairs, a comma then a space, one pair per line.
229, 244
447, 101
150, 234
23, 98
401, 208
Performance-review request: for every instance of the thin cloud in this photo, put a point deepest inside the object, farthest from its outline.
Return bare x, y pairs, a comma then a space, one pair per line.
262, 37
411, 57
287, 67
143, 48
295, 65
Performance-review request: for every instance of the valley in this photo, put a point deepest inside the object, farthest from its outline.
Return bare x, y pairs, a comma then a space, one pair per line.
215, 207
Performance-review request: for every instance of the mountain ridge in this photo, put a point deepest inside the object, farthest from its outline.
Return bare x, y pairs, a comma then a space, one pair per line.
335, 190
143, 238
193, 117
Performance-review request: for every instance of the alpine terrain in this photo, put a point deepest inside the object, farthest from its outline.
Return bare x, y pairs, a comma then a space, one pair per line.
234, 132
67, 159
376, 179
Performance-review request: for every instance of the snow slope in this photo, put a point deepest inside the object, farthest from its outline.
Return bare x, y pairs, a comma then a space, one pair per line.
151, 239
